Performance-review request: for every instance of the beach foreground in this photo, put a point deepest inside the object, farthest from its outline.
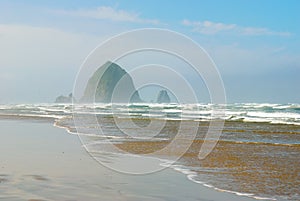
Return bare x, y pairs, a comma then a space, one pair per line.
42, 162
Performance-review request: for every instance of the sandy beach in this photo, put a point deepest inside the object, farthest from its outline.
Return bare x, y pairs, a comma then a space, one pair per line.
42, 162
149, 100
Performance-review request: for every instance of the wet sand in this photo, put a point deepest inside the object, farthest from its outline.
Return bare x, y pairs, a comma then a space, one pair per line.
42, 162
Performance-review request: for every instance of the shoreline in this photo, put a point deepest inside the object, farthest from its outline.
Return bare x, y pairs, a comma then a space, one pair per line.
192, 176
79, 158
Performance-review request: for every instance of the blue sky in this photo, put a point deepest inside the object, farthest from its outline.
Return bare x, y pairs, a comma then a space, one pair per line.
255, 44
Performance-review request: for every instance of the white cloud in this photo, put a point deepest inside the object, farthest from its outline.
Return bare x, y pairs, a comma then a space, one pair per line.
261, 31
109, 13
209, 28
29, 46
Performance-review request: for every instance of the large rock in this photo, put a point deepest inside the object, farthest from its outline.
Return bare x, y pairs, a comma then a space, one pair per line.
105, 80
64, 99
163, 97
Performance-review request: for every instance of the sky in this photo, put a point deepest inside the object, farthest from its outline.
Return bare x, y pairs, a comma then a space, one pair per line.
255, 44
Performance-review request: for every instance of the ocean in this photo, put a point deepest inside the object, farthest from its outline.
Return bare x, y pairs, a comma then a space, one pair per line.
257, 154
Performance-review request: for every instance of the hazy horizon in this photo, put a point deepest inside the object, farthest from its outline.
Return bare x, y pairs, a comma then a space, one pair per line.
255, 44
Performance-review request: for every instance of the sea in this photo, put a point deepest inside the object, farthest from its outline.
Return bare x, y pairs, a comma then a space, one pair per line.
255, 153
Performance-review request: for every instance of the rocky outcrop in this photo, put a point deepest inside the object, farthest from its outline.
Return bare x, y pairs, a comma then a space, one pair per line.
101, 85
163, 97
64, 99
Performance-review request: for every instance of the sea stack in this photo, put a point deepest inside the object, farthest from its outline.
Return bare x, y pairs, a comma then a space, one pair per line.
163, 97
101, 86
64, 99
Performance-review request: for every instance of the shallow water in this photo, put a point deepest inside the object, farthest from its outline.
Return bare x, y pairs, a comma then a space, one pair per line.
259, 165
41, 162
257, 154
